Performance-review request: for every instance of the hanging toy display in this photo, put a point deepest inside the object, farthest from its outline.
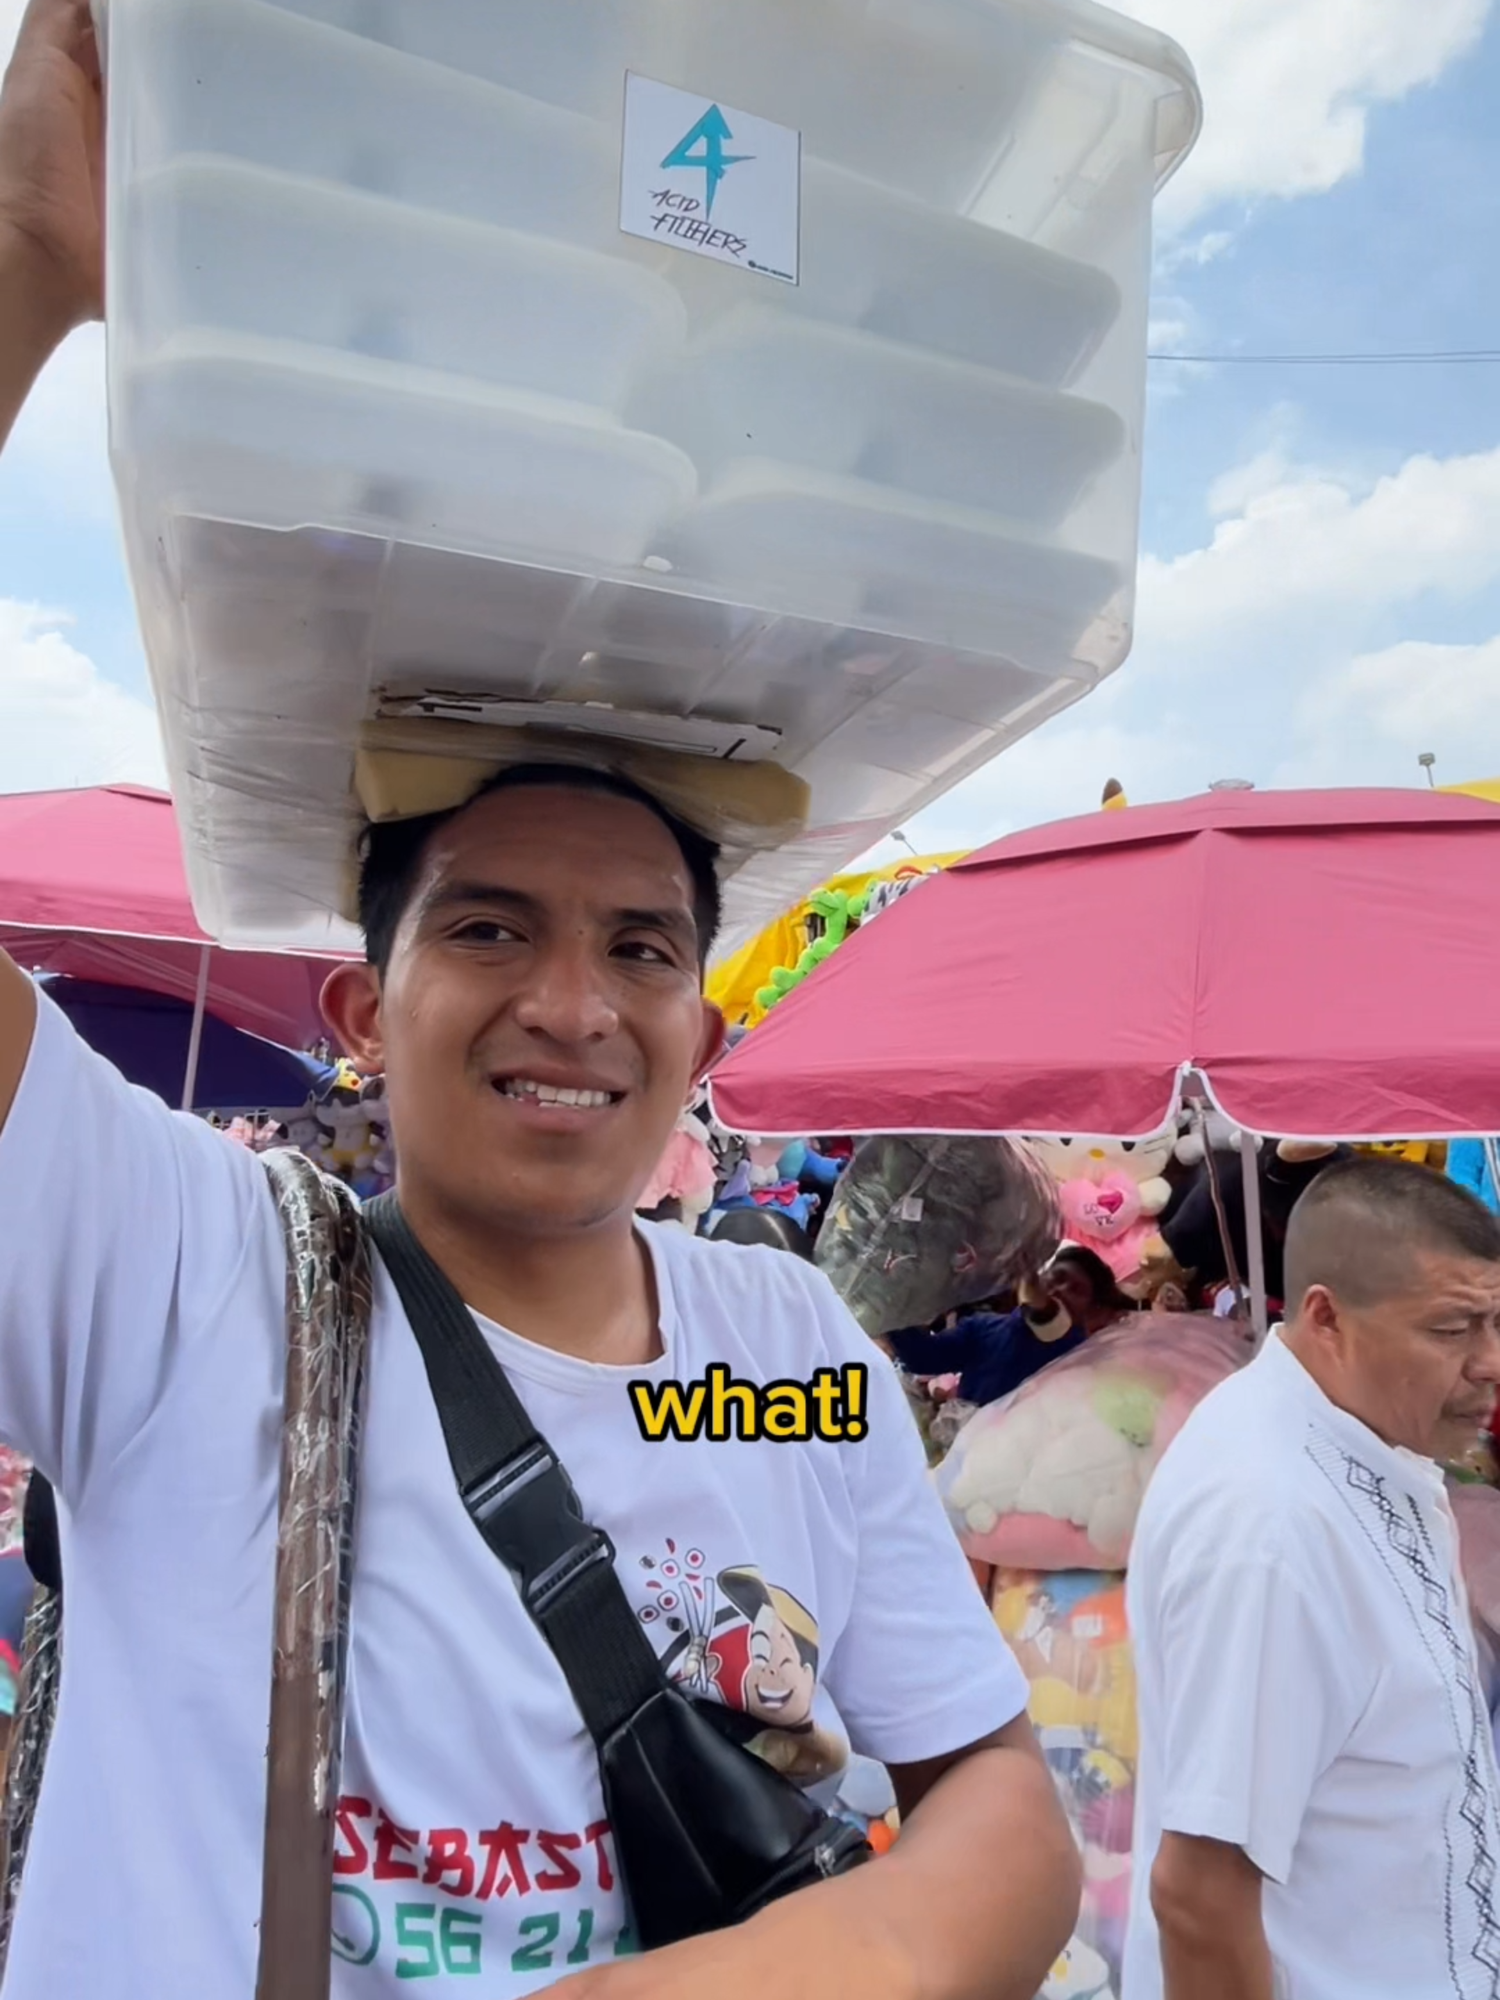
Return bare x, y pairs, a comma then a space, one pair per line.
1069, 1634
378, 1171
685, 1176
830, 916
1052, 1476
1111, 1192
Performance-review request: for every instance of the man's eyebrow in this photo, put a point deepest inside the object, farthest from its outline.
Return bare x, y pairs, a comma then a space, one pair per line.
675, 922
444, 896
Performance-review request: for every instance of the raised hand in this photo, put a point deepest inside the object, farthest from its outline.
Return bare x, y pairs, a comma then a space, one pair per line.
52, 162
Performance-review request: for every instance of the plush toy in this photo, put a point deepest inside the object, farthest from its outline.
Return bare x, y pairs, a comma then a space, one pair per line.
1070, 1637
1080, 1974
1110, 1192
307, 1133
382, 1173
1052, 1476
764, 1156
684, 1174
830, 916
350, 1151
1222, 1135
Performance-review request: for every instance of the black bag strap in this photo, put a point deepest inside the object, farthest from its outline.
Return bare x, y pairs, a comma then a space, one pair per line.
518, 1494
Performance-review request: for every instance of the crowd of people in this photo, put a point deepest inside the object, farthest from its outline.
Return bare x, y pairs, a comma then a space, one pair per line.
552, 1699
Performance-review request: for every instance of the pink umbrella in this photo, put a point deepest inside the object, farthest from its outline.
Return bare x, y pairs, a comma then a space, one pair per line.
92, 885
1327, 962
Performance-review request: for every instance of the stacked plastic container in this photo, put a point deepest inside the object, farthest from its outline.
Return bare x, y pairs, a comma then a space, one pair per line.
400, 410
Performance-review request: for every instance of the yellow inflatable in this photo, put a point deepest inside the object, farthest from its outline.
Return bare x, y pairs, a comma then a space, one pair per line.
733, 986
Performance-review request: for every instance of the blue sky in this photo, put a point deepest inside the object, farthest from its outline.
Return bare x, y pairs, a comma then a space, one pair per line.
1320, 583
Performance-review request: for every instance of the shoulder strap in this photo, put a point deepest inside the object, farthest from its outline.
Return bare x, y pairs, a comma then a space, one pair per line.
328, 1320
518, 1494
328, 1317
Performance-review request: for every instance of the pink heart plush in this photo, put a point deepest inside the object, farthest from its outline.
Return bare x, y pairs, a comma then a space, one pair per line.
1100, 1210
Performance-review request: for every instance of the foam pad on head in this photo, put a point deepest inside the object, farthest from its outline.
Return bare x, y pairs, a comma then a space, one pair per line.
408, 768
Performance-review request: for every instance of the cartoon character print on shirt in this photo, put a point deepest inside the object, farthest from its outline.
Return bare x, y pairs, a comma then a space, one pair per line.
735, 1637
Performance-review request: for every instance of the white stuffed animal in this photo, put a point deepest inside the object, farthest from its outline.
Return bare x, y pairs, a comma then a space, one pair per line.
1055, 1455
1223, 1136
1052, 1476
1080, 1974
307, 1132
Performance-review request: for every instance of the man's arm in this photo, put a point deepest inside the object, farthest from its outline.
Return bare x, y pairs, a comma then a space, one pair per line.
1206, 1898
923, 1352
51, 280
986, 1838
17, 1024
51, 194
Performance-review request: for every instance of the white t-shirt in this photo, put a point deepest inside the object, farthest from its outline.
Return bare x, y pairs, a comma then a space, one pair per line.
1309, 1692
141, 1363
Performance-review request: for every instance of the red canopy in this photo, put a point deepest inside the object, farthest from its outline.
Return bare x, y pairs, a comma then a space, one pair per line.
91, 884
1328, 961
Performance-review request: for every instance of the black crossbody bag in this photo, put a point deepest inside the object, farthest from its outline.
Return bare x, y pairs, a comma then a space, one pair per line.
705, 1833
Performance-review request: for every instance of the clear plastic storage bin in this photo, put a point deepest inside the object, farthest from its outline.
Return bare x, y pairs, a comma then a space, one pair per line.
400, 408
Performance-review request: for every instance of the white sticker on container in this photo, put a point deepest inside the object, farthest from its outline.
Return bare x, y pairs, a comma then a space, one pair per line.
911, 1208
705, 178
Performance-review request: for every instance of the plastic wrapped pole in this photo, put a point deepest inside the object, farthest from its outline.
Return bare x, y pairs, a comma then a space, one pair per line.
1255, 1242
31, 1732
328, 1317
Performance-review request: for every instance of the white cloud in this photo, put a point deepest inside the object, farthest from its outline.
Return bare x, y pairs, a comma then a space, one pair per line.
57, 459
1233, 491
1312, 545
1193, 252
1288, 85
61, 722
1416, 686
1299, 646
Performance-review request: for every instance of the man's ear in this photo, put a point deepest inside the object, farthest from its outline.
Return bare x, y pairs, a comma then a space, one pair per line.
712, 1045
1321, 1314
351, 1006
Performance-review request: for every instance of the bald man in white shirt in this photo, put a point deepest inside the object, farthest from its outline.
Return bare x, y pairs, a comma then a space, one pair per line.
1316, 1811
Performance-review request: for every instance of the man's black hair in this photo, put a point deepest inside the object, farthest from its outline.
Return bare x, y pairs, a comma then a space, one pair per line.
391, 853
1096, 1273
1357, 1226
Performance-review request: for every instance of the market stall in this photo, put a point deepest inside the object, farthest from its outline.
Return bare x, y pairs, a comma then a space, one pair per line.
1320, 966
737, 984
147, 1037
92, 887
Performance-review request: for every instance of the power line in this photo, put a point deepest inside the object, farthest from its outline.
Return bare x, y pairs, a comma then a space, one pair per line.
1461, 357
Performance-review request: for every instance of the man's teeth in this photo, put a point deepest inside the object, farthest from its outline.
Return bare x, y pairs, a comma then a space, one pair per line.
546, 1093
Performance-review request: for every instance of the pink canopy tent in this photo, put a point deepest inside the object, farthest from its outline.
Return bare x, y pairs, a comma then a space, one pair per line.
1326, 963
92, 885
